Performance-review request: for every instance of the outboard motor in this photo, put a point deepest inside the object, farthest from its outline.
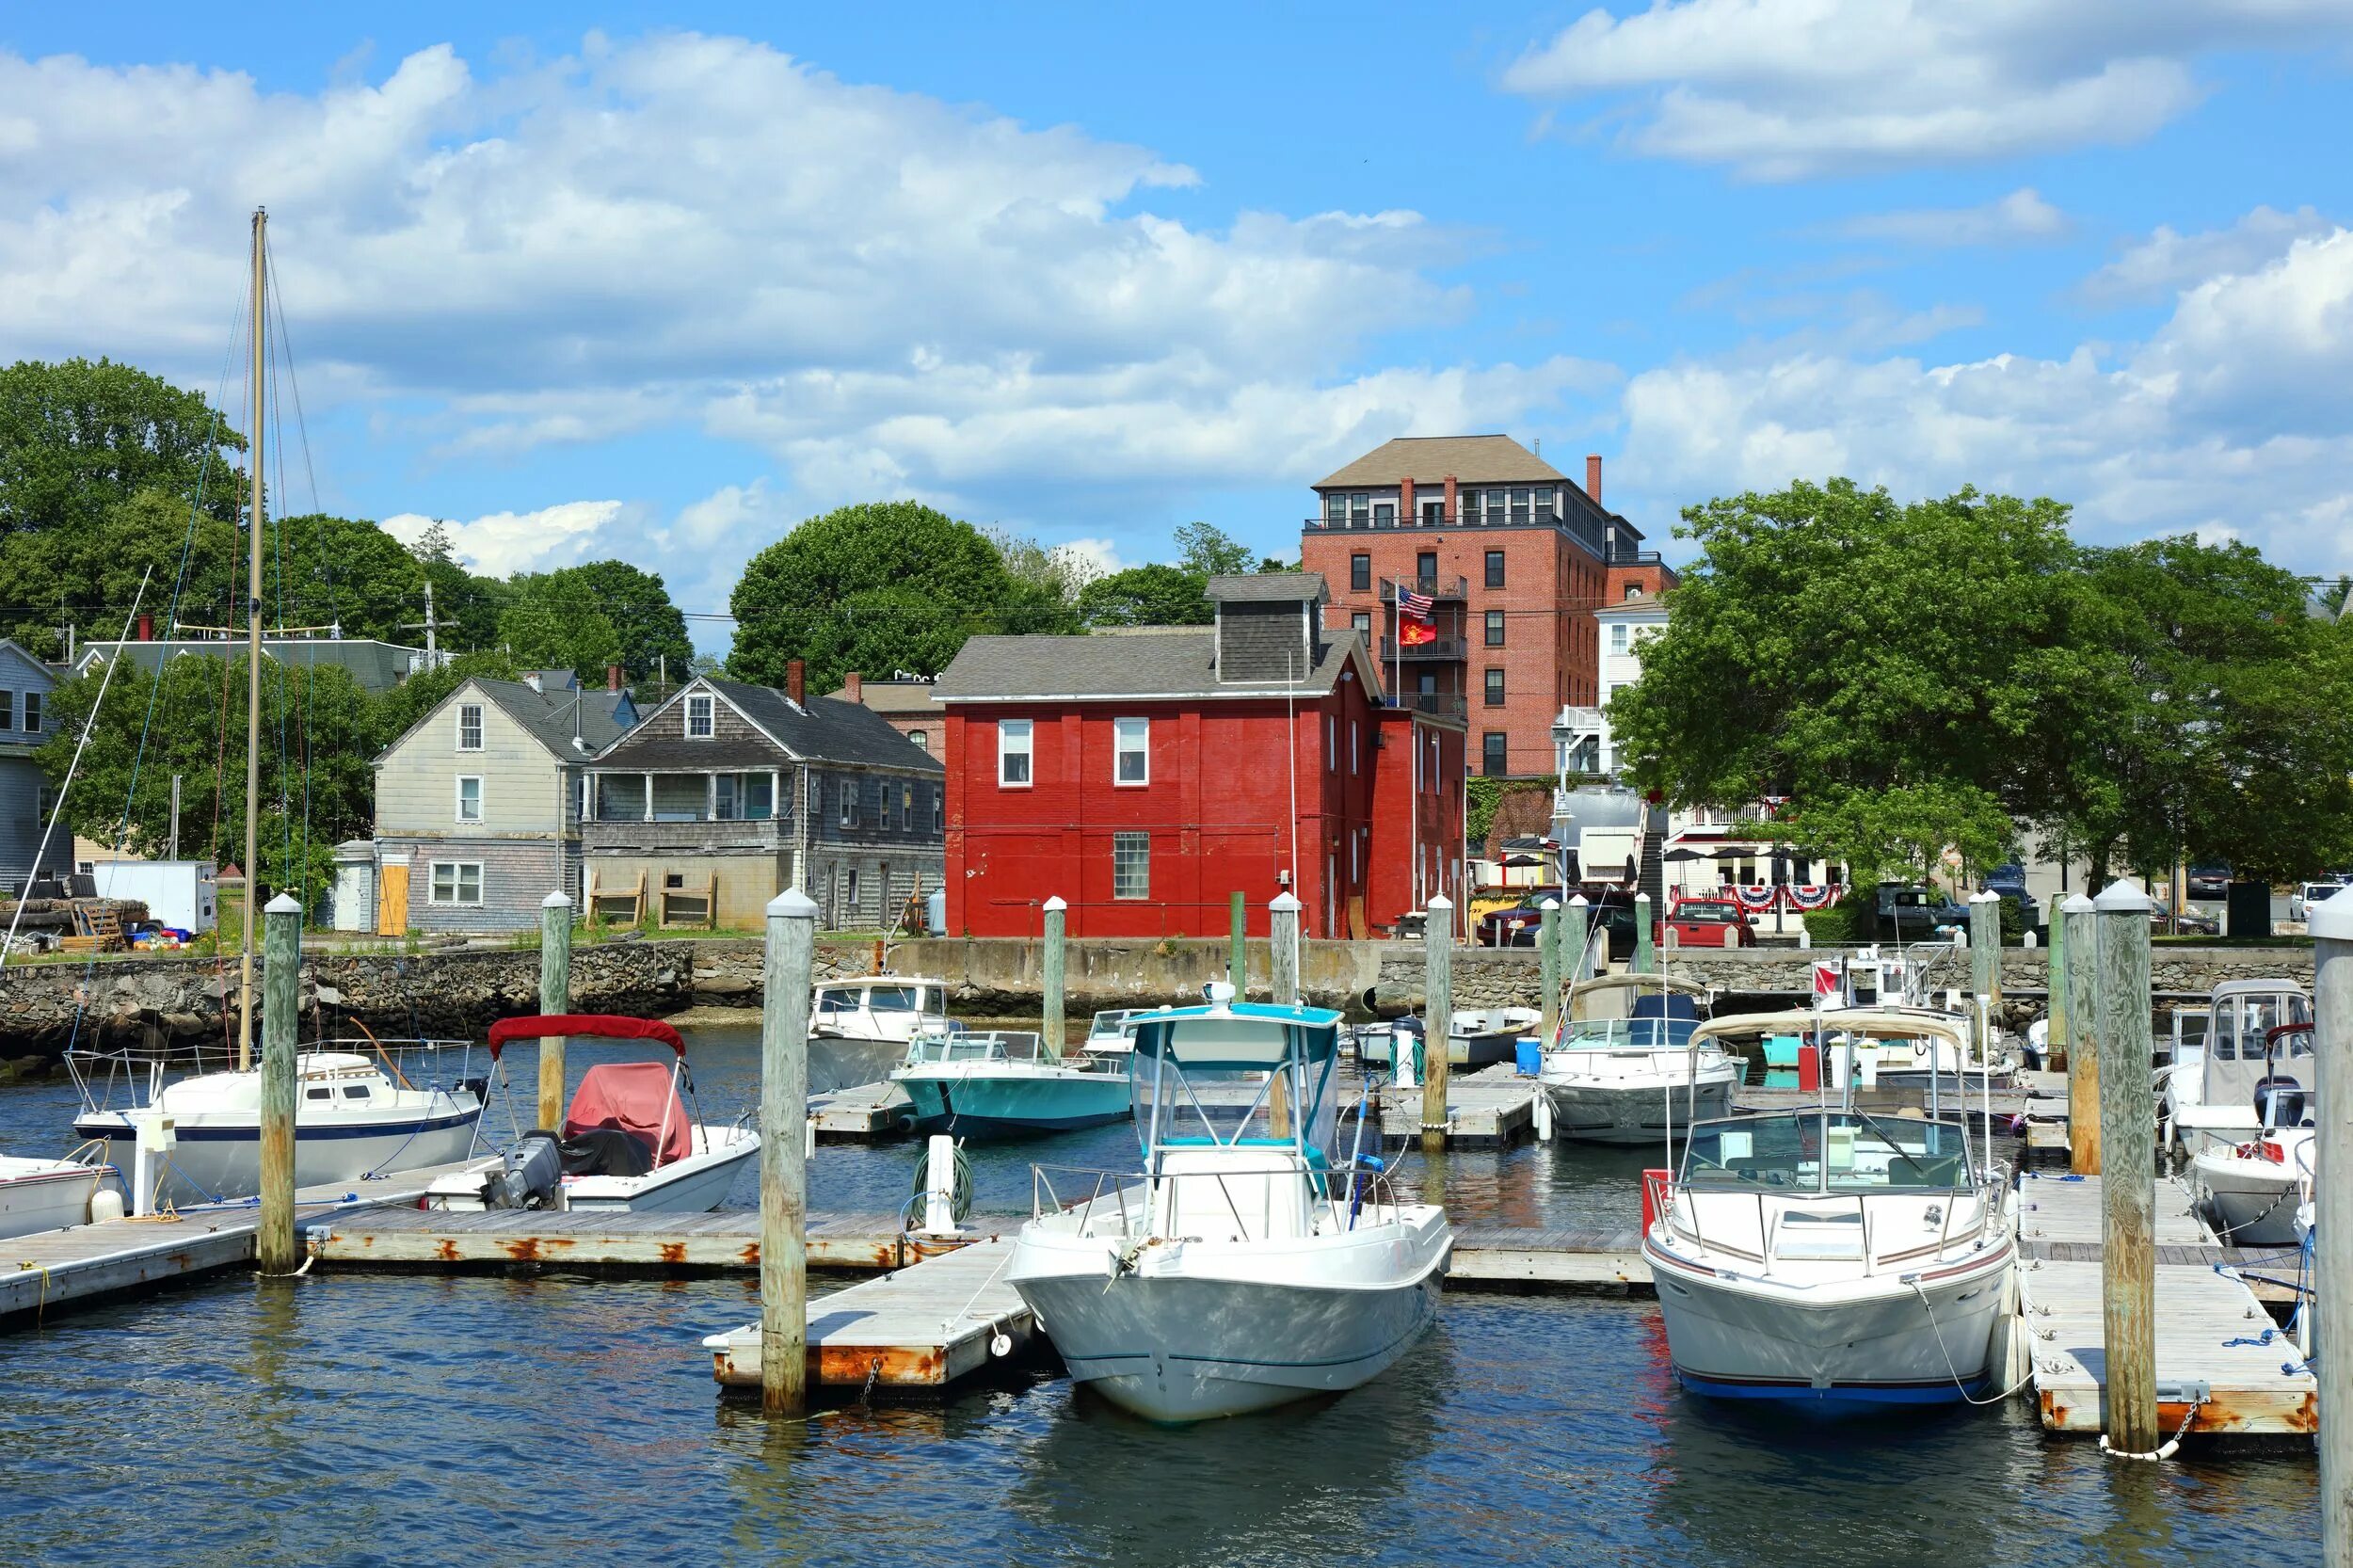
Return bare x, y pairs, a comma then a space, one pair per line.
534, 1168
2280, 1102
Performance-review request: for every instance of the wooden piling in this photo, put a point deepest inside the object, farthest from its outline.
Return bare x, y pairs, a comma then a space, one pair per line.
1985, 967
1238, 946
1645, 953
783, 1170
2082, 1062
2128, 1120
1548, 963
281, 1003
1283, 957
555, 997
1051, 977
1437, 1015
2332, 928
2054, 1040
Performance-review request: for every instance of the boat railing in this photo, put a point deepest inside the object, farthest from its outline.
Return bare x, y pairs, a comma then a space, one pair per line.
936, 1047
1084, 1195
1662, 1189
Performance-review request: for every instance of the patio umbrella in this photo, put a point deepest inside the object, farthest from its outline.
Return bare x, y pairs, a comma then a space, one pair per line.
1686, 855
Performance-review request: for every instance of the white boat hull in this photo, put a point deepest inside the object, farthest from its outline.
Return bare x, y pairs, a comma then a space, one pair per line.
37, 1195
1636, 1112
1196, 1331
214, 1160
695, 1185
2254, 1201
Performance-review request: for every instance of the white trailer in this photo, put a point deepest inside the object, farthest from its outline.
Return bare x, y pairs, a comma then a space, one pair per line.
181, 893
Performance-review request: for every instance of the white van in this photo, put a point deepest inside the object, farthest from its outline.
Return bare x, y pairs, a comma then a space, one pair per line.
2301, 902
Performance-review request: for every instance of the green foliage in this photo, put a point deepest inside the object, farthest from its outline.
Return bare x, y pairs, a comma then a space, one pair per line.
320, 570
652, 631
91, 571
1482, 796
79, 438
555, 621
1209, 551
1901, 831
1059, 574
1154, 595
398, 709
878, 586
1846, 923
466, 608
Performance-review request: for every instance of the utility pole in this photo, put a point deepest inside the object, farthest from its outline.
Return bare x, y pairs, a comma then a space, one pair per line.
432, 649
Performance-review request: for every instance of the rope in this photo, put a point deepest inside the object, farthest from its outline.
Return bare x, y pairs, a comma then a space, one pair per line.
1913, 1280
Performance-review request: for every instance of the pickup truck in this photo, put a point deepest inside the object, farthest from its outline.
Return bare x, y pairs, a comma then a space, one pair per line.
1702, 924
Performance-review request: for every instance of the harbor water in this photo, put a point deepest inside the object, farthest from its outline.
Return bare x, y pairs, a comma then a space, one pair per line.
398, 1420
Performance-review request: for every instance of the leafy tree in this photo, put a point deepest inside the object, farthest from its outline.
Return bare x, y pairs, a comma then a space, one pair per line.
1154, 595
881, 586
652, 631
79, 437
553, 621
1056, 573
398, 709
92, 569
1904, 831
321, 570
1209, 551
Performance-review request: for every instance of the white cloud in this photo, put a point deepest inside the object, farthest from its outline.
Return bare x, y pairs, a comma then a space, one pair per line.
503, 543
2159, 266
2021, 217
1096, 557
2229, 420
1787, 88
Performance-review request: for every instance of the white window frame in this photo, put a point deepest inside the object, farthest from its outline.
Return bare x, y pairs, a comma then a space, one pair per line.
1618, 638
921, 739
475, 708
32, 714
1351, 746
460, 809
458, 870
703, 707
1008, 732
1331, 744
1122, 749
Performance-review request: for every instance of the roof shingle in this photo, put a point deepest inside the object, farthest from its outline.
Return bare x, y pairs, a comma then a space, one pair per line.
1429, 459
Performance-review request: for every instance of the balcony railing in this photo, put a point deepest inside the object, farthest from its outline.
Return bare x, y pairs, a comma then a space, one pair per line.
1444, 649
1440, 705
1428, 588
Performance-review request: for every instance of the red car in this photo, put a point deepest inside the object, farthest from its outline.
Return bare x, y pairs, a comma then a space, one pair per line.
1703, 922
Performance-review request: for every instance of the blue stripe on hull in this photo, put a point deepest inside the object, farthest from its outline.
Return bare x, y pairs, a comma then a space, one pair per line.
1838, 1397
188, 1133
983, 1112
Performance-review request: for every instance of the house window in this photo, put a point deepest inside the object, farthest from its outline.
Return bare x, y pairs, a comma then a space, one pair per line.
1385, 514
1426, 567
1433, 514
1362, 623
1495, 688
1013, 740
8, 710
1360, 575
469, 727
1545, 508
923, 741
1519, 505
849, 892
1359, 511
1495, 569
32, 713
1351, 746
1634, 590
1131, 865
1494, 754
1495, 628
457, 882
698, 718
939, 808
1331, 744
469, 798
1617, 639
849, 803
1132, 751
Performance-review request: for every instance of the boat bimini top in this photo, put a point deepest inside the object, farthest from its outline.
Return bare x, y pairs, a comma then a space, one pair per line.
1641, 985
1880, 1023
1239, 1044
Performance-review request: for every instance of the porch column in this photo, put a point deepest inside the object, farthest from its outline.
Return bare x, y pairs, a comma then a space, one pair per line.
710, 797
649, 797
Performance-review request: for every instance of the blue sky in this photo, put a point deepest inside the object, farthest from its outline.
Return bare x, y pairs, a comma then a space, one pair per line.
660, 282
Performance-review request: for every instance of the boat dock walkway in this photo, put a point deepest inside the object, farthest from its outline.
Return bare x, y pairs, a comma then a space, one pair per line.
861, 1114
922, 1327
2215, 1340
48, 1271
1486, 1107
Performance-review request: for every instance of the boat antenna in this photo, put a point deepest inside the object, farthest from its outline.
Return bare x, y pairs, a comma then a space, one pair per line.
259, 416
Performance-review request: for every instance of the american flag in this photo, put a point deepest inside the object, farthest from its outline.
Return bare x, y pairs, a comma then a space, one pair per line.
1416, 605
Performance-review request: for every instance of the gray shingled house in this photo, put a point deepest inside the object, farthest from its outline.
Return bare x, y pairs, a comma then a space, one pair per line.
728, 794
25, 798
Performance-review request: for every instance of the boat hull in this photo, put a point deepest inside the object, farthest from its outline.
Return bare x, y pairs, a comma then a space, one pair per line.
989, 1107
222, 1158
1184, 1347
1634, 1114
1474, 1051
1868, 1343
51, 1198
693, 1186
2254, 1201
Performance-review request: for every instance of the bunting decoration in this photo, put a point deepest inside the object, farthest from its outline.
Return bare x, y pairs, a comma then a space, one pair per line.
1756, 897
1807, 897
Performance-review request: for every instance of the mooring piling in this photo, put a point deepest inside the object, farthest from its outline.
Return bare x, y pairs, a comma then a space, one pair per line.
2056, 1056
1283, 949
1437, 1018
1985, 967
2083, 1007
1548, 963
1238, 944
783, 1167
1645, 953
1051, 977
2331, 929
2129, 1179
282, 1002
555, 997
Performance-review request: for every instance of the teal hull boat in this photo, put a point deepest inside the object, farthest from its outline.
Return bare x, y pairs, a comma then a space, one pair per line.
989, 1086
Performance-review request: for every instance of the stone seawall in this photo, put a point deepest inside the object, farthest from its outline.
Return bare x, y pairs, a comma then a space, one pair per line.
179, 1002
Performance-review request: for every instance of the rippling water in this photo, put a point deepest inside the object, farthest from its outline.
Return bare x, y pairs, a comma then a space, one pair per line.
363, 1419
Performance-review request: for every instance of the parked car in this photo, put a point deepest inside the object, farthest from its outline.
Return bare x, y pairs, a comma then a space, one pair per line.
2209, 882
1612, 908
2190, 922
2011, 882
1499, 928
2301, 902
1701, 922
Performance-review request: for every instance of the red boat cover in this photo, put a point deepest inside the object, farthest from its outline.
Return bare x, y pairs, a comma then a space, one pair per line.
606, 1026
634, 1097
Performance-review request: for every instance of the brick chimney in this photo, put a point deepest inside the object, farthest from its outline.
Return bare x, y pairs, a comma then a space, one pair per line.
793, 674
1592, 476
853, 687
1452, 513
147, 628
1405, 502
612, 678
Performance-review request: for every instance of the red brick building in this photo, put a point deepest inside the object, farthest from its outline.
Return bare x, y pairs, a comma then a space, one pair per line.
1516, 556
1144, 776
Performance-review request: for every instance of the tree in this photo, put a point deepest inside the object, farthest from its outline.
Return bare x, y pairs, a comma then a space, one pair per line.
321, 570
652, 631
553, 621
1154, 595
1058, 573
79, 438
398, 709
91, 571
1209, 551
880, 586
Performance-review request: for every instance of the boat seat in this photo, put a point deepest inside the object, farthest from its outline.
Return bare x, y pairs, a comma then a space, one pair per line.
1208, 1192
606, 1151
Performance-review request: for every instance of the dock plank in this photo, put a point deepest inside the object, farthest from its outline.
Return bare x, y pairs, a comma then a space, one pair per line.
922, 1327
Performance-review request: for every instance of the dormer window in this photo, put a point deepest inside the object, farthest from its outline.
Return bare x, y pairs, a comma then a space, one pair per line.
698, 723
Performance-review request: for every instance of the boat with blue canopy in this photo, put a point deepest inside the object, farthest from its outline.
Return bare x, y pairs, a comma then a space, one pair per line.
1624, 1067
1252, 1261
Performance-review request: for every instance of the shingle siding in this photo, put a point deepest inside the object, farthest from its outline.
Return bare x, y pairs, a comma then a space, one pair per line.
516, 877
1263, 642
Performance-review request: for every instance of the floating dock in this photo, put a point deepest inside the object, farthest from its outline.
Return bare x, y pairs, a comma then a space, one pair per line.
2217, 1345
1486, 1107
861, 1114
923, 1327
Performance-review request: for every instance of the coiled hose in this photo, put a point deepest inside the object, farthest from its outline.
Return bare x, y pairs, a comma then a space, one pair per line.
959, 1191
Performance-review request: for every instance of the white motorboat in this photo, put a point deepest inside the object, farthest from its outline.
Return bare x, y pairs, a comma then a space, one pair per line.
2210, 1085
1107, 1034
357, 1116
49, 1194
2255, 1189
1832, 1258
1624, 1067
890, 1007
1476, 1037
1002, 1083
1245, 1267
632, 1141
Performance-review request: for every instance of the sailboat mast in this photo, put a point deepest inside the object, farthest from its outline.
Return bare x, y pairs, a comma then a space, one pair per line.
258, 413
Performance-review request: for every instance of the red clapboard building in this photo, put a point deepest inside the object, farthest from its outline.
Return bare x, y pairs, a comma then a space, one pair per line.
1144, 776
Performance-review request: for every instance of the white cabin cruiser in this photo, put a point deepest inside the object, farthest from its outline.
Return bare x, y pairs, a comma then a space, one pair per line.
1243, 1268
2209, 1085
50, 1195
1476, 1037
632, 1141
1108, 1035
352, 1123
890, 1007
2255, 1189
1831, 1258
1622, 1068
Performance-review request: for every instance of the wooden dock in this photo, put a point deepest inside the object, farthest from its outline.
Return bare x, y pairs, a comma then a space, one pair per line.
2212, 1345
862, 1115
922, 1327
44, 1273
1485, 1109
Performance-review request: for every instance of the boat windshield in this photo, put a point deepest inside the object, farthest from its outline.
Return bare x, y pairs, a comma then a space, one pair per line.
934, 1048
1201, 1076
1813, 1151
1627, 1034
1110, 1024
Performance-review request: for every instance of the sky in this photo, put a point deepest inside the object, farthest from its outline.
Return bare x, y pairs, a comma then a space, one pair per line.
658, 283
